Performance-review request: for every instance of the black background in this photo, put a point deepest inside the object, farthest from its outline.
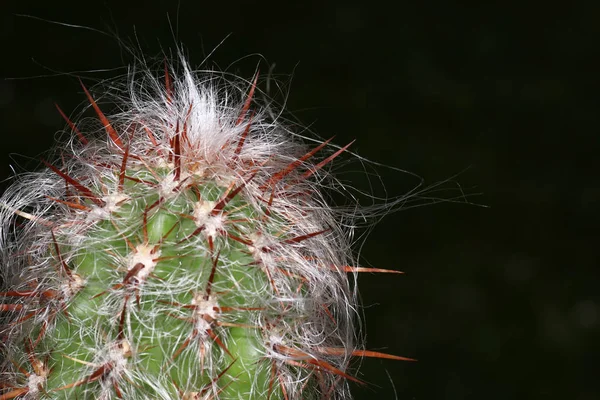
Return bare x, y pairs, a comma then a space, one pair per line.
497, 302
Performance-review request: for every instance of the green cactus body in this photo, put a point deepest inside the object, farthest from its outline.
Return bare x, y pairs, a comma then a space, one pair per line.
187, 255
126, 260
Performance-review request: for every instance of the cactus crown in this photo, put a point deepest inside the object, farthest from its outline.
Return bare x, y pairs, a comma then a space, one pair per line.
187, 252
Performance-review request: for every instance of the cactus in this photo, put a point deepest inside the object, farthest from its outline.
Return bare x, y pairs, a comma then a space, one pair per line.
183, 251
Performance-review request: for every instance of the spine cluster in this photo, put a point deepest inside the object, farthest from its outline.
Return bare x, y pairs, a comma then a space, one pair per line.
184, 252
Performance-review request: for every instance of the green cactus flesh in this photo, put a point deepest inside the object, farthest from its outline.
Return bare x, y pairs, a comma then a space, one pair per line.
175, 328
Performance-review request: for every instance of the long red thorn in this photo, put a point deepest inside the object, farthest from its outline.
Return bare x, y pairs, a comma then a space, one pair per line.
320, 364
332, 351
223, 202
107, 126
240, 145
133, 272
70, 204
117, 390
15, 293
155, 204
80, 136
376, 354
94, 376
295, 164
326, 161
283, 389
30, 356
219, 342
328, 367
195, 233
145, 226
176, 147
211, 278
228, 309
21, 369
166, 235
298, 239
59, 255
183, 346
272, 379
187, 117
269, 204
11, 307
121, 333
239, 239
223, 372
23, 318
151, 136
122, 171
347, 268
99, 373
168, 84
14, 393
82, 189
248, 101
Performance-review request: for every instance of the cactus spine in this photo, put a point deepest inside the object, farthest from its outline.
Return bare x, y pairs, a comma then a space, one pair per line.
186, 253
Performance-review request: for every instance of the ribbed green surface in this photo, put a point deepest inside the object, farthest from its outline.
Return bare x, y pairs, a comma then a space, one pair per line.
156, 314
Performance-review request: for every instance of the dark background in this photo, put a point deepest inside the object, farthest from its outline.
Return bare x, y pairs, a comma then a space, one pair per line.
498, 302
